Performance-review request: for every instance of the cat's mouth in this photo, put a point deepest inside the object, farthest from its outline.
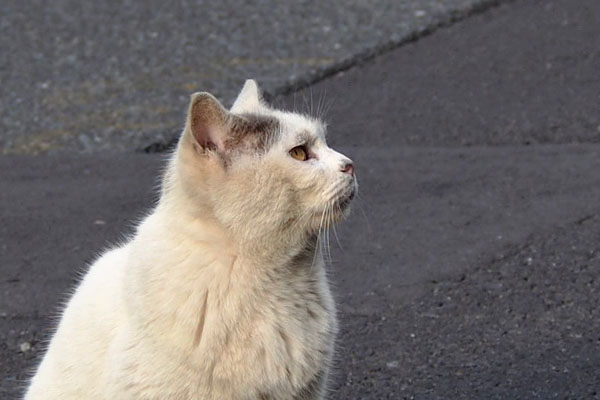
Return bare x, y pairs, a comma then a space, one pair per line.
337, 208
343, 202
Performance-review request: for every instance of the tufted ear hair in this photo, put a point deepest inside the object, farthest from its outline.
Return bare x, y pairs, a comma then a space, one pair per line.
249, 98
207, 121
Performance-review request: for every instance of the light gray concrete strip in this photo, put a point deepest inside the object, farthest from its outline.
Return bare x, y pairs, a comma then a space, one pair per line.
93, 76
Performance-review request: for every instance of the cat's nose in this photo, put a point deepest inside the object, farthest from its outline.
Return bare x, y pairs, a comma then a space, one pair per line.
348, 167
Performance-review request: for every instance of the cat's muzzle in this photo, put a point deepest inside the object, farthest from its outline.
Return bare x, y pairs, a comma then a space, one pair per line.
344, 200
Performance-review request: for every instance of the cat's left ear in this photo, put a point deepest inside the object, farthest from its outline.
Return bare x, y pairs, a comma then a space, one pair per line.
249, 98
207, 121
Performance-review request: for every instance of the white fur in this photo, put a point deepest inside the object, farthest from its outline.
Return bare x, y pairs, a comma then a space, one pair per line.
216, 295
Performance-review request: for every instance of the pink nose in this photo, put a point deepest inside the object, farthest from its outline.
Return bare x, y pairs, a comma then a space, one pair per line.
348, 168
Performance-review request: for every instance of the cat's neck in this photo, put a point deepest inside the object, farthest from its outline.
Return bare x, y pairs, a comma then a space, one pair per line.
179, 215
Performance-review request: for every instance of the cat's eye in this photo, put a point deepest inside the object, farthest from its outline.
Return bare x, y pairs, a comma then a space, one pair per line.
299, 153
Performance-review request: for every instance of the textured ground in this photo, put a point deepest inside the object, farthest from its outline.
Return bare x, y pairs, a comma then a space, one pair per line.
97, 76
470, 268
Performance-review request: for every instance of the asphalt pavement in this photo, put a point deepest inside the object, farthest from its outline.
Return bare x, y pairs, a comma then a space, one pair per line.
116, 75
469, 268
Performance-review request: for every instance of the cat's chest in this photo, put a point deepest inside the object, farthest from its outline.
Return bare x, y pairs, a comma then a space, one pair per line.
253, 330
281, 306
281, 328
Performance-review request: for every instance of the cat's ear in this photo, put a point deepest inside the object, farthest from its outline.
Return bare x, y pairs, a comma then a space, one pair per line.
207, 121
249, 98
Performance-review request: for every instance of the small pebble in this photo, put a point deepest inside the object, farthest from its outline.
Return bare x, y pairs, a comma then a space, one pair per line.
25, 347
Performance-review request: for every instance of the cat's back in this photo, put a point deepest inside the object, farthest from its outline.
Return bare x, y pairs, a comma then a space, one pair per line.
100, 294
88, 324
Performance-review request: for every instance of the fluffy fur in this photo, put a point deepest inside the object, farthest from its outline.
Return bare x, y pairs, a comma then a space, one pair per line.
221, 293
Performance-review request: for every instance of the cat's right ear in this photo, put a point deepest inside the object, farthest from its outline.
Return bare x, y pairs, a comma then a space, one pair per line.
207, 121
249, 99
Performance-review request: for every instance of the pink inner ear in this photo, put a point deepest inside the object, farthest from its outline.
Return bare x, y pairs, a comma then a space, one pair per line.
207, 119
202, 133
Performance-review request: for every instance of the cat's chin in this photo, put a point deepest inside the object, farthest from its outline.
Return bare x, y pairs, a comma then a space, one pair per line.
343, 203
336, 213
340, 214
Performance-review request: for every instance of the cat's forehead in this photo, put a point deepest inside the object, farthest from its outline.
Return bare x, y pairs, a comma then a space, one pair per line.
294, 125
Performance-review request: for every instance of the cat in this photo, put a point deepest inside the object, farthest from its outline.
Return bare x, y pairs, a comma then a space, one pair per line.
221, 293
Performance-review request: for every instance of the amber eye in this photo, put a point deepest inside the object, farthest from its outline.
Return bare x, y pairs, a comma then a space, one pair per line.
299, 153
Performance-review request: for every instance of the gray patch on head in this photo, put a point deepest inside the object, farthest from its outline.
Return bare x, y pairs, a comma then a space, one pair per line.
252, 133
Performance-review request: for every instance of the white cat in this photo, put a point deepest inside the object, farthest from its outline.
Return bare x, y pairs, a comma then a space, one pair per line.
221, 293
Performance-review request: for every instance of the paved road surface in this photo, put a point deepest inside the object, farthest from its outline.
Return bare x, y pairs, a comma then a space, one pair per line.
470, 267
97, 76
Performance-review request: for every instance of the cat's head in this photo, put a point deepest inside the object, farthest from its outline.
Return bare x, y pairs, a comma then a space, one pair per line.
261, 171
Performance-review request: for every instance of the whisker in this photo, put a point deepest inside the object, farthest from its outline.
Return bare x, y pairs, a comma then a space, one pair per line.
306, 104
320, 106
329, 220
325, 256
358, 202
332, 192
337, 239
328, 107
318, 244
294, 102
311, 100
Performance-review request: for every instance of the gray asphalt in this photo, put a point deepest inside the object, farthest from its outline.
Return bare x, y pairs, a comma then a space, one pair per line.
470, 266
524, 77
98, 76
